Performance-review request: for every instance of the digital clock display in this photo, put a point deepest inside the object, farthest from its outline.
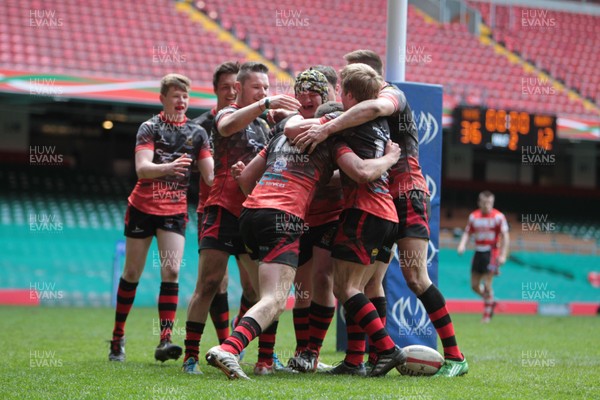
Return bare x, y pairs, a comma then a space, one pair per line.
504, 129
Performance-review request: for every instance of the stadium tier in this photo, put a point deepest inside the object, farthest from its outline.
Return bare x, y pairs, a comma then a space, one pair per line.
108, 41
559, 42
472, 69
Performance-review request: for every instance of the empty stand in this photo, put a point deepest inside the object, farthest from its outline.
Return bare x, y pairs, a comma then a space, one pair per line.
145, 39
149, 38
564, 44
60, 227
446, 54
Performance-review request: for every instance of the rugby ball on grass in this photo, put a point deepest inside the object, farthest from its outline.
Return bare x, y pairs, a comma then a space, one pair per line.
421, 361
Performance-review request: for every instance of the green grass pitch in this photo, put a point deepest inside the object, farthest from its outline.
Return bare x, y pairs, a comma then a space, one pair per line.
61, 353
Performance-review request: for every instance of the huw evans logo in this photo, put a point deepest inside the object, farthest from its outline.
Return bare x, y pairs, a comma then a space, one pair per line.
412, 320
427, 125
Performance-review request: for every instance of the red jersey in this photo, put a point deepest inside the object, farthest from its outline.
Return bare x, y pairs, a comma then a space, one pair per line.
326, 206
241, 146
328, 201
367, 141
486, 228
406, 174
206, 121
167, 195
290, 180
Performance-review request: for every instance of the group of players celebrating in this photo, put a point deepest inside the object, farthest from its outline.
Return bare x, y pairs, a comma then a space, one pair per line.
314, 197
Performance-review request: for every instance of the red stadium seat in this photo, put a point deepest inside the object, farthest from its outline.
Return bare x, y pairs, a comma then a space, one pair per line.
469, 70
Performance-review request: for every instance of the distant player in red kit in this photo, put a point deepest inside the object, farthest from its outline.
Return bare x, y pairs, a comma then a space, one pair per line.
489, 228
166, 146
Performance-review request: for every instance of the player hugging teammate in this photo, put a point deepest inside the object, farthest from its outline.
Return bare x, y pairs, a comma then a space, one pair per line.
288, 175
287, 181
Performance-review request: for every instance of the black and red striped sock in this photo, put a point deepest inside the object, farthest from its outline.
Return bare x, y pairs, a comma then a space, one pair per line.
219, 314
435, 305
125, 297
245, 305
167, 307
301, 327
246, 330
365, 314
319, 320
380, 304
193, 334
266, 343
356, 342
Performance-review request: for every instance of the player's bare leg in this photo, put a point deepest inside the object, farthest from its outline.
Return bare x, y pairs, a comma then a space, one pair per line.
488, 297
347, 279
476, 284
267, 361
487, 285
170, 248
251, 276
136, 252
212, 266
413, 263
244, 262
211, 269
274, 283
249, 295
322, 277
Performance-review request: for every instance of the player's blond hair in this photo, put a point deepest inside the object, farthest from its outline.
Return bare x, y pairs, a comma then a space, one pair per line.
362, 81
178, 81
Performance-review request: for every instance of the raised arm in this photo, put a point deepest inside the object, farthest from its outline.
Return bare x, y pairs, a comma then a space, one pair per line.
362, 112
239, 119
